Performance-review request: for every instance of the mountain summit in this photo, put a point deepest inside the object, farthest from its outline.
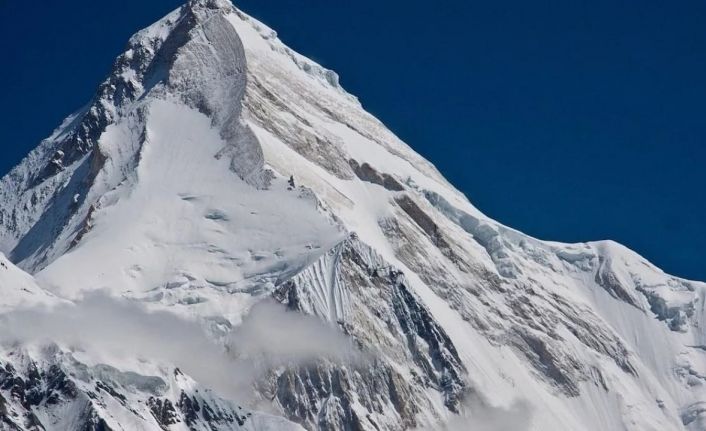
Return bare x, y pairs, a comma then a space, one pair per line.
224, 239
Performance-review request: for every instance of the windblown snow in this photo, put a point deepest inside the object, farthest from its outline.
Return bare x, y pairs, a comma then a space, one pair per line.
224, 239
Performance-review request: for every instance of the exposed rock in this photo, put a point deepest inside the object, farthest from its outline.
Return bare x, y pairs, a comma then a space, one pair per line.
367, 173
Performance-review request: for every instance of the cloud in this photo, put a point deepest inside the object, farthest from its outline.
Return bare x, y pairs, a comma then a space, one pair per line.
269, 332
478, 415
108, 327
269, 337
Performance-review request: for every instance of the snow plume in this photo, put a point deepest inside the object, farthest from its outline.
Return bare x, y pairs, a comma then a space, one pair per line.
478, 415
117, 328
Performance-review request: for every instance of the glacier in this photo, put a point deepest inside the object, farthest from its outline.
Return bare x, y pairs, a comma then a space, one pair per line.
217, 173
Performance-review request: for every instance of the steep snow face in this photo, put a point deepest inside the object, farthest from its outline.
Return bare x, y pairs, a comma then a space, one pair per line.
18, 289
216, 169
192, 55
188, 228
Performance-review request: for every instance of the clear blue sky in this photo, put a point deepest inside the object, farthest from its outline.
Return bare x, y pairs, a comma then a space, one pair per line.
567, 120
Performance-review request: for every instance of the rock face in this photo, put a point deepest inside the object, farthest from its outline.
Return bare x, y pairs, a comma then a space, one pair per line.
353, 287
60, 392
216, 170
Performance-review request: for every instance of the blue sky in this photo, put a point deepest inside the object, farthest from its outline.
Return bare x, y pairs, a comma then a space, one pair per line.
568, 120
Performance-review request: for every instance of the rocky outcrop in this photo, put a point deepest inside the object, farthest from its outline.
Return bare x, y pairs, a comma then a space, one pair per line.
410, 357
58, 392
367, 173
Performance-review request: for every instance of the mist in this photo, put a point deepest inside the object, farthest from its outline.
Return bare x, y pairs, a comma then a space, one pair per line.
115, 328
478, 414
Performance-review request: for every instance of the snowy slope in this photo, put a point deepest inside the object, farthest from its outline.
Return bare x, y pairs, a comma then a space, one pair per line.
217, 170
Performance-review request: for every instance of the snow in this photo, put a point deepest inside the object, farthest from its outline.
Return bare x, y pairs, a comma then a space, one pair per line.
189, 224
184, 205
19, 289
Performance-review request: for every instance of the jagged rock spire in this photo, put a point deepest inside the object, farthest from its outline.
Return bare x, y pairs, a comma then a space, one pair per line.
211, 4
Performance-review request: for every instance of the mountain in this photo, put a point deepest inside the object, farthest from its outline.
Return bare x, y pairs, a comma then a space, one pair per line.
224, 239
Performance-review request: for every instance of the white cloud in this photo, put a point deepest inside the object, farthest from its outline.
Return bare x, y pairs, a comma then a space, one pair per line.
269, 336
478, 415
271, 333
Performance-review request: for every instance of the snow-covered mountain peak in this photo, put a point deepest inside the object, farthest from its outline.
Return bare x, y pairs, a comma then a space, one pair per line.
216, 171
